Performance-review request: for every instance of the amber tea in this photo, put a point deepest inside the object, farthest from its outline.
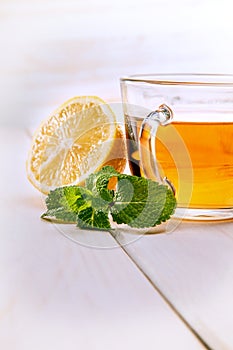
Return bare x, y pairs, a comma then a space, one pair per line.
209, 170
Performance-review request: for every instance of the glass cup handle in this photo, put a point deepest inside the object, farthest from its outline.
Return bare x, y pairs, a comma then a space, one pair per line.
147, 145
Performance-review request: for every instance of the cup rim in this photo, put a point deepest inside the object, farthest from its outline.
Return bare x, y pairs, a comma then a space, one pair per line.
192, 79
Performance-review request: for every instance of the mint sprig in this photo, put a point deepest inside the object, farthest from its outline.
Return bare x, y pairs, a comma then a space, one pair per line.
136, 201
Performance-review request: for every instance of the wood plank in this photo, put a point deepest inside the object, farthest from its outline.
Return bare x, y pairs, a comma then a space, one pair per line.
193, 269
55, 294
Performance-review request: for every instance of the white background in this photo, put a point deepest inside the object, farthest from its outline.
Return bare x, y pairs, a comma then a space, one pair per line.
53, 50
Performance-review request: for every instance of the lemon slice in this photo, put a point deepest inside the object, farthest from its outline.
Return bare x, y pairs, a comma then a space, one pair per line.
80, 137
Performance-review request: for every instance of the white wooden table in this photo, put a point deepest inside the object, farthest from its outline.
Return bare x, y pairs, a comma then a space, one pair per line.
123, 291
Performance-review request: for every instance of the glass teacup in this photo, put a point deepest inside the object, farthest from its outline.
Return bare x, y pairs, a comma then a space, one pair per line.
179, 130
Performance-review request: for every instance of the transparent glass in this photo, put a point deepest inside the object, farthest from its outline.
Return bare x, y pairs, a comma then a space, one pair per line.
179, 130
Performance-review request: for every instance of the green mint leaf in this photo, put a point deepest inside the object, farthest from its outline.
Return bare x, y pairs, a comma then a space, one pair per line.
64, 203
80, 205
91, 218
137, 201
98, 182
169, 207
141, 202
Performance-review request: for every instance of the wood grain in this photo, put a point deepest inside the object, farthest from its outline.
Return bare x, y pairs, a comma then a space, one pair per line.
193, 268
